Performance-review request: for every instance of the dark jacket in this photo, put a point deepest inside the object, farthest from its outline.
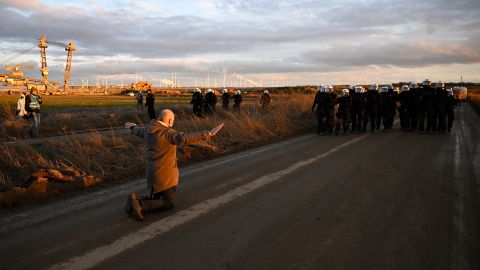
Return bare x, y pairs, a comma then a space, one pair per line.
237, 99
372, 101
407, 101
265, 99
150, 101
358, 102
344, 104
197, 99
225, 99
210, 98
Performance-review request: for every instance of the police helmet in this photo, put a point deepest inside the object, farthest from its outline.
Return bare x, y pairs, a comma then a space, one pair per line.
440, 84
384, 89
358, 89
345, 92
265, 92
374, 87
426, 82
413, 85
225, 91
404, 88
328, 89
238, 92
450, 91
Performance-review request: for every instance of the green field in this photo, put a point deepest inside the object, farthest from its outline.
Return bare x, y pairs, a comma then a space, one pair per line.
59, 102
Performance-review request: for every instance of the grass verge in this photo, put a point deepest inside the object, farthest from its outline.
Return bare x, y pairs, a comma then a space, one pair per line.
116, 159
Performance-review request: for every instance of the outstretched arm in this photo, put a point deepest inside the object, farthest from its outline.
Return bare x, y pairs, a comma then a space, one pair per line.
137, 131
176, 137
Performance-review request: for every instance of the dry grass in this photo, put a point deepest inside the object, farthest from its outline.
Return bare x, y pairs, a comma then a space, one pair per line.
117, 159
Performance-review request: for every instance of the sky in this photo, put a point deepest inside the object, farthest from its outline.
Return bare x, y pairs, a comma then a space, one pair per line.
253, 42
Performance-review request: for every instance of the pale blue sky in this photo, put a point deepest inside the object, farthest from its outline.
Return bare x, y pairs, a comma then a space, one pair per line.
294, 42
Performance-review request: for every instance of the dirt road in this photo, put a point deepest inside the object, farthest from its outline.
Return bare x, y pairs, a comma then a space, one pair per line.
389, 200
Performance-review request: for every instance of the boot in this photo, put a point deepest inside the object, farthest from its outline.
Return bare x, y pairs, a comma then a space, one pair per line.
137, 207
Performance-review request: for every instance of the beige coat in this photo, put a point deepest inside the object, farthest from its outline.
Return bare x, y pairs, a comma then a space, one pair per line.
161, 143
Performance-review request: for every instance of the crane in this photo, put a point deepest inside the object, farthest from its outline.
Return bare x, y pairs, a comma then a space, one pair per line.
70, 48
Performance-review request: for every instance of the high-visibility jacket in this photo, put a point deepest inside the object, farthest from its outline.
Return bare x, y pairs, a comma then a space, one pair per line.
34, 103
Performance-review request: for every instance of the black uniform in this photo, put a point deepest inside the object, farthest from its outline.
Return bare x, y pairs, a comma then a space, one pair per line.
343, 114
225, 101
406, 110
357, 110
415, 108
372, 102
325, 104
441, 104
210, 103
150, 104
388, 107
330, 102
318, 105
450, 104
436, 93
197, 103
426, 112
237, 100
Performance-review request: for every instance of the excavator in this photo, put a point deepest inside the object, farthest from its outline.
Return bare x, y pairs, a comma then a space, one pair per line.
16, 76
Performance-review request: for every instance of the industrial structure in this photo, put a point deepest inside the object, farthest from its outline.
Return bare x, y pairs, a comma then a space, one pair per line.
16, 76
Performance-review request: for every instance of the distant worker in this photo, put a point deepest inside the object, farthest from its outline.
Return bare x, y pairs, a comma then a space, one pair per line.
197, 102
225, 99
265, 100
210, 102
343, 113
358, 108
21, 112
139, 100
372, 101
237, 100
150, 104
450, 108
162, 173
32, 106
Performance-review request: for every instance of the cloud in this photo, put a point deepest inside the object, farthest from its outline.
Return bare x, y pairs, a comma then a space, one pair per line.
248, 36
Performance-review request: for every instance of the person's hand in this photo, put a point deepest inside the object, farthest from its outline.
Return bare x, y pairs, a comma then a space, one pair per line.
129, 125
216, 129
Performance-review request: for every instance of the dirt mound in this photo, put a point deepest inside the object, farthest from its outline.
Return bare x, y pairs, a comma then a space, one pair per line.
44, 183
